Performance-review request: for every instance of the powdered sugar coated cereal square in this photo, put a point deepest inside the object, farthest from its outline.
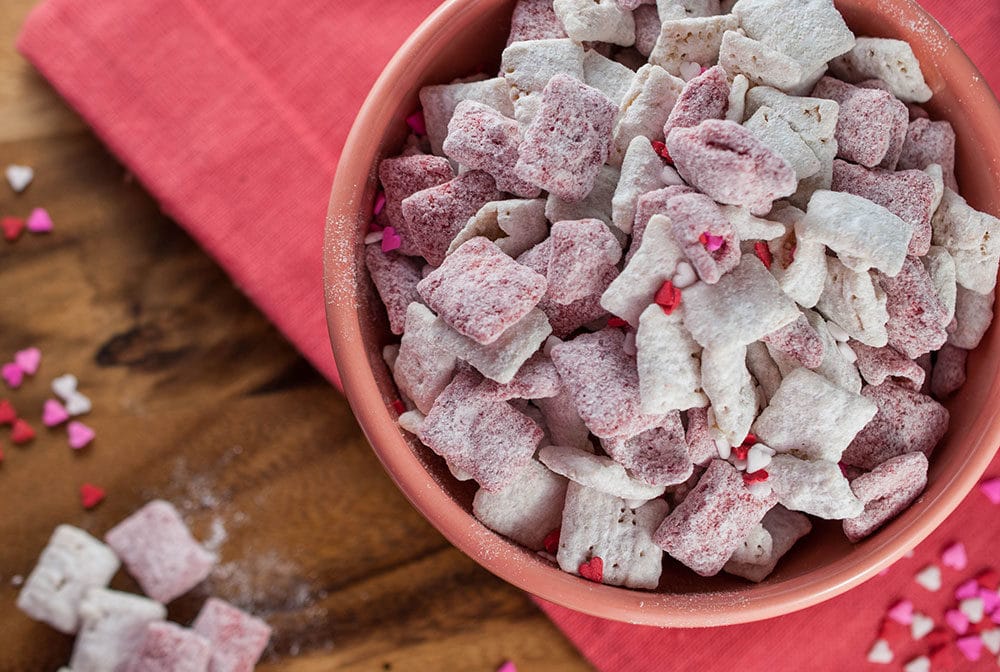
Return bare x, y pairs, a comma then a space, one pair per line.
658, 456
760, 63
810, 31
640, 173
764, 369
515, 225
704, 97
439, 102
167, 647
816, 487
534, 20
729, 388
930, 142
917, 318
775, 132
974, 314
111, 626
395, 278
940, 266
855, 303
423, 367
563, 421
869, 123
596, 205
159, 551
973, 240
877, 365
597, 472
536, 379
948, 375
644, 109
785, 528
596, 21
697, 219
755, 548
886, 491
749, 227
528, 66
580, 251
690, 40
607, 76
238, 639
71, 563
892, 61
700, 442
527, 508
835, 367
404, 176
669, 363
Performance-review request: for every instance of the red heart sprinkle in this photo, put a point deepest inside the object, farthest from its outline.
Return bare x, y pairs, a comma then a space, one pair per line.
551, 541
12, 227
661, 149
593, 570
763, 253
750, 440
21, 432
617, 323
91, 495
398, 406
7, 413
740, 452
988, 578
758, 476
668, 297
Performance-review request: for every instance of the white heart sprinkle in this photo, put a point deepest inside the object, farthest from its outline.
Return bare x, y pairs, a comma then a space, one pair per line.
880, 652
991, 640
684, 276
373, 237
921, 664
65, 386
689, 70
921, 625
973, 608
847, 352
758, 457
19, 177
930, 578
78, 404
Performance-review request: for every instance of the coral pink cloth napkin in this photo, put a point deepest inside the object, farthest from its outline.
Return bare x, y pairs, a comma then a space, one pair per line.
233, 112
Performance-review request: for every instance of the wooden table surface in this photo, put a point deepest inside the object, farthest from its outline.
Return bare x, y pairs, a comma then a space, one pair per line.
197, 399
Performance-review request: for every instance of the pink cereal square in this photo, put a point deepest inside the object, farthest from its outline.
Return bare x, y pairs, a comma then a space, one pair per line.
395, 278
237, 638
647, 28
870, 122
930, 142
167, 647
886, 491
800, 341
434, 216
700, 443
917, 317
658, 456
649, 204
159, 551
534, 20
581, 252
878, 365
536, 379
402, 177
704, 97
948, 374
695, 220
569, 139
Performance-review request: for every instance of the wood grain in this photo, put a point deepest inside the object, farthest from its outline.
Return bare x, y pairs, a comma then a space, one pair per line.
197, 399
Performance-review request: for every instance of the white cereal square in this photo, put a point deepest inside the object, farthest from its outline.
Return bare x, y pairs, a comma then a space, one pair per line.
972, 238
597, 472
835, 366
502, 358
423, 367
515, 225
816, 487
785, 528
730, 390
641, 172
940, 265
527, 508
609, 77
669, 363
761, 64
809, 31
775, 132
750, 227
892, 61
691, 40
112, 624
755, 549
439, 102
763, 368
596, 21
528, 66
595, 205
974, 314
855, 303
644, 109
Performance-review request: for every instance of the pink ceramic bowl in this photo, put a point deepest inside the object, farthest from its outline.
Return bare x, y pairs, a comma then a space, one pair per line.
464, 35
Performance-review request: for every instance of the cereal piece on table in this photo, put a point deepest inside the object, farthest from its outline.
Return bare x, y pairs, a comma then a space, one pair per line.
604, 383
698, 226
892, 61
690, 40
167, 647
655, 262
640, 173
869, 123
596, 205
515, 225
567, 142
649, 204
949, 371
597, 472
609, 77
502, 359
741, 308
647, 28
755, 548
816, 487
423, 366
527, 67
855, 303
810, 31
401, 178
974, 314
645, 108
799, 341
536, 379
395, 277
877, 365
658, 456
668, 361
886, 491
534, 20
785, 528
439, 102
763, 368
973, 240
704, 97
728, 163
812, 418
749, 227
706, 528
71, 563
917, 318
159, 551
775, 132
930, 142
598, 525
700, 442
436, 215
480, 291
596, 21
729, 388
238, 639
906, 421
580, 251
863, 234
111, 626
527, 508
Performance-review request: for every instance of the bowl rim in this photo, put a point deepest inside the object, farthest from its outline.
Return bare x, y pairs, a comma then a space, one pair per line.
465, 532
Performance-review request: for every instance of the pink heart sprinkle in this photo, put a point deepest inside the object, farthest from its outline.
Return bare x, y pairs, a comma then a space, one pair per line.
12, 375
79, 435
902, 612
957, 621
967, 589
379, 203
390, 239
28, 360
53, 413
713, 242
39, 221
416, 123
971, 646
508, 667
955, 557
991, 488
991, 601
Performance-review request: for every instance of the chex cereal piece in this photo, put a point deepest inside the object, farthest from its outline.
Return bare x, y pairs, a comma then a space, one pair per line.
908, 194
658, 456
237, 638
816, 487
536, 379
159, 551
799, 341
700, 442
655, 262
695, 217
596, 21
567, 142
647, 28
690, 40
534, 20
974, 313
812, 418
668, 362
727, 384
749, 227
892, 61
812, 31
565, 426
928, 143
869, 123
167, 647
906, 421
597, 472
423, 367
609, 77
481, 138
855, 303
580, 251
500, 360
755, 548
527, 508
836, 367
704, 97
439, 103
596, 205
744, 306
800, 267
640, 173
973, 240
404, 176
775, 132
645, 108
729, 164
598, 525
940, 266
71, 563
435, 215
649, 204
480, 291
917, 318
112, 624
764, 370
479, 434
760, 63
706, 528
528, 66
395, 277
604, 383
515, 225
886, 491
785, 528
877, 365
411, 421
949, 371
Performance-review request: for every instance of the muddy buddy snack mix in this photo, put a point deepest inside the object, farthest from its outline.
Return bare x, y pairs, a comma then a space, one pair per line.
679, 279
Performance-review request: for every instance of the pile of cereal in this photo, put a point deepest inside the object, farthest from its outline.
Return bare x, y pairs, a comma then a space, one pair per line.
682, 276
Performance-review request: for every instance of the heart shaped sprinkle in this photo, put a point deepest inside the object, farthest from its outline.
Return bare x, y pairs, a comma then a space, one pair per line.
758, 476
921, 625
12, 375
967, 589
592, 570
507, 667
668, 297
53, 413
79, 435
39, 221
551, 541
21, 433
684, 276
91, 495
416, 123
902, 612
12, 228
65, 386
78, 404
763, 253
689, 70
390, 239
957, 621
954, 556
991, 640
379, 203
661, 150
991, 601
28, 360
19, 177
880, 652
971, 647
7, 413
918, 664
758, 457
711, 242
991, 488
930, 578
973, 608
617, 323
